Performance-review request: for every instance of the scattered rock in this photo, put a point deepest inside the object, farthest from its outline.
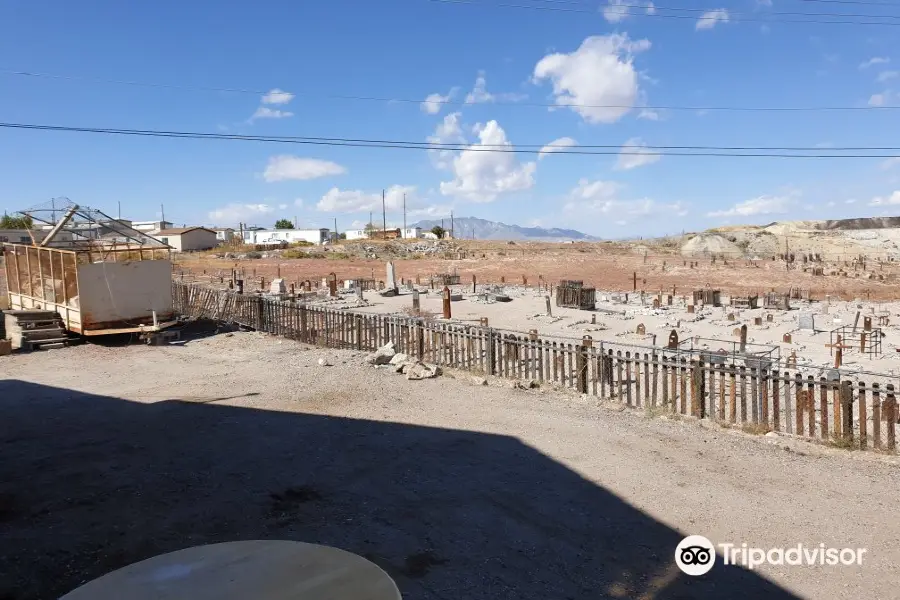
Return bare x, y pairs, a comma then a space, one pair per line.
479, 381
422, 371
771, 434
323, 362
382, 356
527, 384
399, 359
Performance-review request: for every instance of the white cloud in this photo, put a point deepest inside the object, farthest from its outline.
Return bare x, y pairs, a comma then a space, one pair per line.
879, 99
649, 114
448, 131
831, 203
264, 112
891, 200
432, 211
598, 80
887, 75
602, 198
350, 201
850, 201
282, 206
482, 176
761, 205
298, 202
433, 103
890, 163
619, 10
875, 60
556, 146
765, 3
276, 96
634, 154
480, 95
239, 213
709, 19
286, 167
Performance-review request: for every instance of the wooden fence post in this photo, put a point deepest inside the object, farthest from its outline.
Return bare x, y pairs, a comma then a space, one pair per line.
847, 411
698, 402
581, 362
489, 349
863, 420
876, 417
890, 418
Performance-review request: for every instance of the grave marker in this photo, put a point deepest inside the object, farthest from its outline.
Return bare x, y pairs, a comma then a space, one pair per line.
446, 302
806, 321
673, 340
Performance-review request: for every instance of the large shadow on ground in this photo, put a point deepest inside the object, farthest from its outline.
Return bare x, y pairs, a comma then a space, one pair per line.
89, 484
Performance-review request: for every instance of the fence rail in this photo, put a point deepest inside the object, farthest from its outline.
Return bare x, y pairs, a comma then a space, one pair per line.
860, 415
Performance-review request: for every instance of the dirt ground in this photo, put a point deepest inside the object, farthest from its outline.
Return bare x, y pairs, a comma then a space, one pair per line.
113, 454
603, 265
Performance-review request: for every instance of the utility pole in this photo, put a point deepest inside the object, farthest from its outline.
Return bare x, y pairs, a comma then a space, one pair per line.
451, 225
404, 216
120, 210
336, 236
162, 214
383, 217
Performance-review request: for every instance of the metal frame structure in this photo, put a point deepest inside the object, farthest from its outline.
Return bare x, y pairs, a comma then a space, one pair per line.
859, 339
753, 355
46, 275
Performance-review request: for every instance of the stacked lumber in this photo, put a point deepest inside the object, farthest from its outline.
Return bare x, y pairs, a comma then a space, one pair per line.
35, 329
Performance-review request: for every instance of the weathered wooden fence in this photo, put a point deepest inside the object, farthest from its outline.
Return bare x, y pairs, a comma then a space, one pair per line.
860, 415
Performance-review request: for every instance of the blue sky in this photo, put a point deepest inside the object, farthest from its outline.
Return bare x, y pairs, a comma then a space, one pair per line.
500, 59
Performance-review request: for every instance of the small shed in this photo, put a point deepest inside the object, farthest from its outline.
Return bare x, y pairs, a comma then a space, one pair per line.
184, 239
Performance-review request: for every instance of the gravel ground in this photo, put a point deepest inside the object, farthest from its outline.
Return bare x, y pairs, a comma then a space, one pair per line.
113, 454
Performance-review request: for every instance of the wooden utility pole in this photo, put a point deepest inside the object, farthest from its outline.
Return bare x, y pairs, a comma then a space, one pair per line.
451, 225
383, 217
336, 236
404, 216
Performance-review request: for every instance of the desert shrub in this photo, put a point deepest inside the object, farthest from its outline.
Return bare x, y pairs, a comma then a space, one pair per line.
254, 255
292, 253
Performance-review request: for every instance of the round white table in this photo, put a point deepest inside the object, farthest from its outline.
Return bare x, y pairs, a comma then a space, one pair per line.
251, 570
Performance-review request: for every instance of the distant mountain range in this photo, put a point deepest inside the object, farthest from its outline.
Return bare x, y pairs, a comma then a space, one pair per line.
483, 229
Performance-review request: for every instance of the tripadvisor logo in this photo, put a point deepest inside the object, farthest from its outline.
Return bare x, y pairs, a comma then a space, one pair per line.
696, 555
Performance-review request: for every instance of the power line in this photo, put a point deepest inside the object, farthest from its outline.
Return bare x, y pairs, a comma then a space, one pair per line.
388, 144
731, 14
448, 102
743, 19
863, 2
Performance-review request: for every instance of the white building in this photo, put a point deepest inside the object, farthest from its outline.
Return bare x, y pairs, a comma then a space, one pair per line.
20, 236
377, 234
224, 234
291, 236
146, 226
184, 239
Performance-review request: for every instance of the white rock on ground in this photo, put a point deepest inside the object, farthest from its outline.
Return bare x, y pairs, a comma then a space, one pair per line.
422, 371
383, 355
399, 359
